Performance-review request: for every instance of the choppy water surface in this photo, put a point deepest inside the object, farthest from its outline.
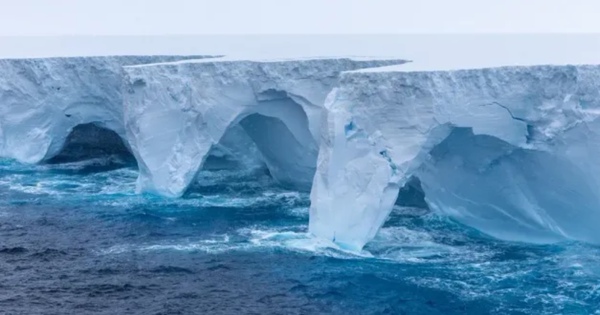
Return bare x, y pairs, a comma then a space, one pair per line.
76, 239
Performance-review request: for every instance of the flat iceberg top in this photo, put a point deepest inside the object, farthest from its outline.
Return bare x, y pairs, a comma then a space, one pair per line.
236, 59
121, 59
412, 66
364, 79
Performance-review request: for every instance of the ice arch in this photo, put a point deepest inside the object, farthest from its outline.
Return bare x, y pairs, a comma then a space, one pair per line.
280, 132
277, 126
386, 126
88, 141
176, 112
42, 100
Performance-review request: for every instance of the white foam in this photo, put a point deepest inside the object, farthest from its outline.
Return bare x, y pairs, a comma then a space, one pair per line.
212, 245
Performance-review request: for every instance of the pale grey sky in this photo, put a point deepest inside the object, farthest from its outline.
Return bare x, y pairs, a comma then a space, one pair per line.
165, 17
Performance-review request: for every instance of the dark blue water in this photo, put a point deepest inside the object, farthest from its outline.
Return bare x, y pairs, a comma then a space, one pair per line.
76, 239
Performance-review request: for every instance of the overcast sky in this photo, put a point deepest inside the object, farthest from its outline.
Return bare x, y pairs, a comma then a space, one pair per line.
166, 17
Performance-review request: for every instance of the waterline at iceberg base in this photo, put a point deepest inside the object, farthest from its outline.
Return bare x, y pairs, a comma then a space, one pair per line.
303, 186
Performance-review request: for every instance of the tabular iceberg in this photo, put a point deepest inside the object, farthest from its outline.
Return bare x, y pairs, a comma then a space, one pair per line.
510, 151
175, 113
42, 100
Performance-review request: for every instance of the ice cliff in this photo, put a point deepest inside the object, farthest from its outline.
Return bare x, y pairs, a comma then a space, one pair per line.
176, 113
42, 100
510, 151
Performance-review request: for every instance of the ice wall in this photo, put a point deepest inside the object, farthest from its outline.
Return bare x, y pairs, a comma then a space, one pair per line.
175, 113
509, 151
42, 100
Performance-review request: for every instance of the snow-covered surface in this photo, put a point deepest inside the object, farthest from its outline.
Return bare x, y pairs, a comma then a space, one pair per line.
508, 150
442, 65
263, 59
175, 113
42, 100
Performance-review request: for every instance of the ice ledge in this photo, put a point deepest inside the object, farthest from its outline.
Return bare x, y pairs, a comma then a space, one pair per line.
417, 66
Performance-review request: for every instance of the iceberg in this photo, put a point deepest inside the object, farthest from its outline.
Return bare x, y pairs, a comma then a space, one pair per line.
509, 151
43, 99
176, 113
